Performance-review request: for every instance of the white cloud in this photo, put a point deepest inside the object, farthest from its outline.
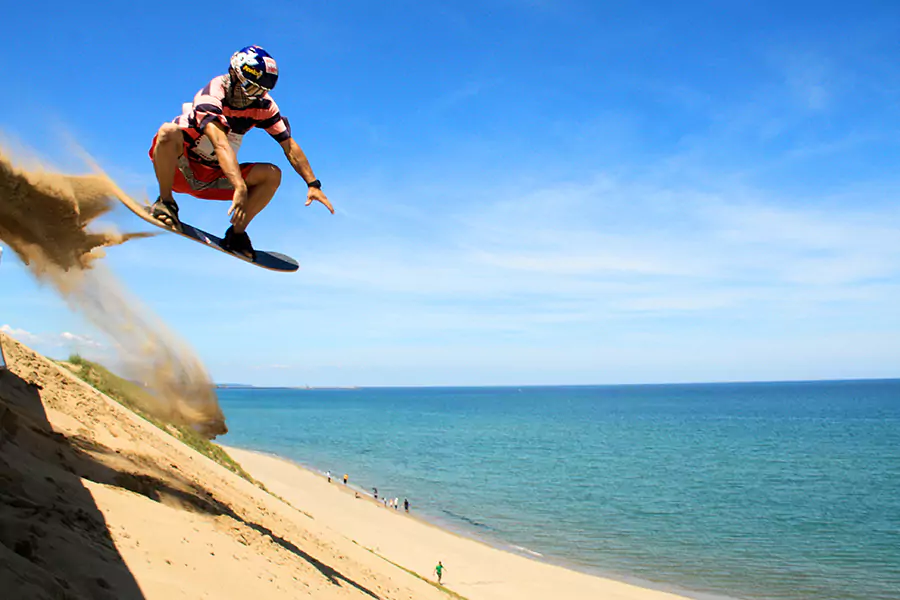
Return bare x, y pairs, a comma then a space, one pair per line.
612, 245
19, 334
52, 340
79, 340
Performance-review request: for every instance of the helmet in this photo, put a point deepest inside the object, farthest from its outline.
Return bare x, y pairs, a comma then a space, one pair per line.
256, 71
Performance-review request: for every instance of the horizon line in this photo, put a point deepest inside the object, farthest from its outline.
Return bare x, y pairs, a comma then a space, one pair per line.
550, 385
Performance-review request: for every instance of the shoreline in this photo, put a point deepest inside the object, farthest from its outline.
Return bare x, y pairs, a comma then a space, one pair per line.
475, 568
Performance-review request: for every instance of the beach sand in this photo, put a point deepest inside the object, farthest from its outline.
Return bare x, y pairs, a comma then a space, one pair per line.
97, 502
472, 569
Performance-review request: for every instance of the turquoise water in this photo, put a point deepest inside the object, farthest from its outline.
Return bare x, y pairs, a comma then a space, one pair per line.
766, 490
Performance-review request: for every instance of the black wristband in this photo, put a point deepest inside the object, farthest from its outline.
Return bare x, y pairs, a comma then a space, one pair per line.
315, 183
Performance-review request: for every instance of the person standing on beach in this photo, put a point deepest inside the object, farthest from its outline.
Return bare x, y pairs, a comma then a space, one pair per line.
406, 504
329, 476
346, 477
439, 571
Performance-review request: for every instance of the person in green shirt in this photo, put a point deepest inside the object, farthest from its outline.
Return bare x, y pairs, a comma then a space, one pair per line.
439, 570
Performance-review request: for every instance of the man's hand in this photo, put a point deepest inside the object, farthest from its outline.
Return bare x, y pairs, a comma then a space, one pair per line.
297, 158
238, 210
319, 196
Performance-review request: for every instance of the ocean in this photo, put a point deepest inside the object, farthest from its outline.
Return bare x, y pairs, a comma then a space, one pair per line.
758, 490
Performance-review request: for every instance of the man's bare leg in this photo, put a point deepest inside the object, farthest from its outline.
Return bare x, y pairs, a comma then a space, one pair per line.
169, 147
262, 183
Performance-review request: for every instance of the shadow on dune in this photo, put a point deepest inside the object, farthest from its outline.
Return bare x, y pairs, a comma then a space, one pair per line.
54, 541
173, 489
330, 573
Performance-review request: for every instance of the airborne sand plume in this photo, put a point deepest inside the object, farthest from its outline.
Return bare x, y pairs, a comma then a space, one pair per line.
44, 218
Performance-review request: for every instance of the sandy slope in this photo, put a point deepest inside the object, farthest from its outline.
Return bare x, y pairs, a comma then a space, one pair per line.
473, 569
97, 503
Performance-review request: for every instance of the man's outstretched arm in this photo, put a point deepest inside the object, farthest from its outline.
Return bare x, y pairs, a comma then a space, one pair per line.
229, 164
298, 160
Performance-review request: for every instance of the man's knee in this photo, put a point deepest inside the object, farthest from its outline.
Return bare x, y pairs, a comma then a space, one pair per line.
266, 173
169, 134
169, 139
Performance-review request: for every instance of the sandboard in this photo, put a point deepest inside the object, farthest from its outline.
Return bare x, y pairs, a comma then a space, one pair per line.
273, 261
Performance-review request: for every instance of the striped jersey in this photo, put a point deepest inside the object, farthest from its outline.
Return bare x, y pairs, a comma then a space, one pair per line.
210, 104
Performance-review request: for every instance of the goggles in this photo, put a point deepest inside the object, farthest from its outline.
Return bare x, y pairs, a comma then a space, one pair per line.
252, 89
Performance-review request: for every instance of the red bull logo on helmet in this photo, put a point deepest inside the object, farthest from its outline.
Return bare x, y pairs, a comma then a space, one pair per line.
243, 58
251, 71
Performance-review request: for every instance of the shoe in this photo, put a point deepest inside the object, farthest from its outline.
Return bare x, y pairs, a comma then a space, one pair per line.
238, 243
166, 210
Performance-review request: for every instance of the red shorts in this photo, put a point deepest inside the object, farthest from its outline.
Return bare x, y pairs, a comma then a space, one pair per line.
199, 180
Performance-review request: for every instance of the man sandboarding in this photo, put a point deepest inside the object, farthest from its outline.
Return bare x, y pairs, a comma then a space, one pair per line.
196, 153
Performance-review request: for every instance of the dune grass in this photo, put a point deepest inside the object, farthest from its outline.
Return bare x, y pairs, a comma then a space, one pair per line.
133, 396
430, 582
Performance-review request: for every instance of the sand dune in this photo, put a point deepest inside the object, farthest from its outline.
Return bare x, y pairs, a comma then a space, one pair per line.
96, 502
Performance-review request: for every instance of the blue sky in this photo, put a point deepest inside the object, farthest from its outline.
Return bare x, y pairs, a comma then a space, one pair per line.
526, 192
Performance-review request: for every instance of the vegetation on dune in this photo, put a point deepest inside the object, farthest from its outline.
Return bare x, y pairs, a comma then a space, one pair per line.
430, 582
133, 396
